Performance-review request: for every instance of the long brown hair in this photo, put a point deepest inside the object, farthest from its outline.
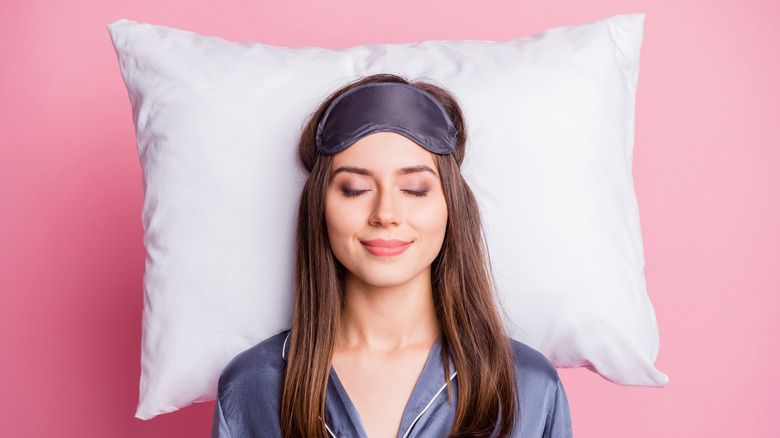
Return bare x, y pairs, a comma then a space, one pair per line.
472, 331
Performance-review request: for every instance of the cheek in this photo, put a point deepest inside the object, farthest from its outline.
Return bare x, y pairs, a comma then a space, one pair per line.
434, 221
333, 220
341, 223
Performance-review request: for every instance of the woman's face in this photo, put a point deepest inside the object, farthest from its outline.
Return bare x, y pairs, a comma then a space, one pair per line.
385, 209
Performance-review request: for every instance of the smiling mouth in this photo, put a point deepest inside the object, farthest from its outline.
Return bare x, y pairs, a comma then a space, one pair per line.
386, 248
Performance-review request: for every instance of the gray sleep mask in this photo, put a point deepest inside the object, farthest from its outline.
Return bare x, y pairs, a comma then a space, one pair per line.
386, 106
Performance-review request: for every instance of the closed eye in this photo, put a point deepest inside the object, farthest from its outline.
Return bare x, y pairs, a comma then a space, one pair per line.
349, 193
417, 193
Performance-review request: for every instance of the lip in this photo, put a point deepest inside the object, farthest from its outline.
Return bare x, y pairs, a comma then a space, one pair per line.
386, 248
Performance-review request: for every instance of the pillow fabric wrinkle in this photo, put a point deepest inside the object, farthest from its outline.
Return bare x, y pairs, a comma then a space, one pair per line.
551, 135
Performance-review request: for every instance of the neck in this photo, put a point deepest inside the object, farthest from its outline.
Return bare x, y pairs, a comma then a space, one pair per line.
388, 318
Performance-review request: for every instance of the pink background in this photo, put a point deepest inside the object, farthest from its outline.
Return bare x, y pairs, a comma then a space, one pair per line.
706, 168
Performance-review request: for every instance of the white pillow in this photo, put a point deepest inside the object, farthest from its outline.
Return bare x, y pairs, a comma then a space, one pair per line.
551, 120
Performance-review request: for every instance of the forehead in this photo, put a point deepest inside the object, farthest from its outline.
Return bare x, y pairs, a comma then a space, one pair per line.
384, 150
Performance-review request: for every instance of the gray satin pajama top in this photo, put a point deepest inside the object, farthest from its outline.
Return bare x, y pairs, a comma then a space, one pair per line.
248, 399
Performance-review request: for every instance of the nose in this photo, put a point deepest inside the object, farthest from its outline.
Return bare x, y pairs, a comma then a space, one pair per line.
386, 210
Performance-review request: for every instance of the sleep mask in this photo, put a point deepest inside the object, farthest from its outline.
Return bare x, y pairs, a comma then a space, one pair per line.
386, 106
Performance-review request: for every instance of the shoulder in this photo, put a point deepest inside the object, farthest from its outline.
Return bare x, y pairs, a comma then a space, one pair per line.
250, 389
263, 361
536, 377
258, 361
531, 362
254, 374
543, 405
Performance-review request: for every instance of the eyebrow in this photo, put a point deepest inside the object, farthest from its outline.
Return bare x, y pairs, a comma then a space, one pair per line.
401, 171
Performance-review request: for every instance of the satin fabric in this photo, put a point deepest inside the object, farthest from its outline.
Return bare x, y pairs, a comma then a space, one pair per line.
248, 400
381, 107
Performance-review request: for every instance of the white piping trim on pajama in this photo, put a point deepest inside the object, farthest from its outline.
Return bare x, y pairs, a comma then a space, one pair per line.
428, 405
284, 346
326, 427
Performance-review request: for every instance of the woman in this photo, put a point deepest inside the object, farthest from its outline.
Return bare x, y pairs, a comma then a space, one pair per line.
395, 328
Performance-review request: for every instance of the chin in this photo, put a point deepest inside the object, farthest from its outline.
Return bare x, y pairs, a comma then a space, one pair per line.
385, 281
385, 277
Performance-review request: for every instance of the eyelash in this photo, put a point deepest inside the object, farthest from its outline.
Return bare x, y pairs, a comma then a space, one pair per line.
354, 193
419, 194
